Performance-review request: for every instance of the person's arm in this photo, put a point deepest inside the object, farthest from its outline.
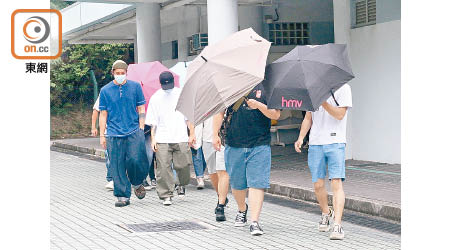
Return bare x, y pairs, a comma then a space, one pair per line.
94, 122
337, 112
273, 114
192, 139
152, 135
217, 123
306, 126
102, 122
141, 111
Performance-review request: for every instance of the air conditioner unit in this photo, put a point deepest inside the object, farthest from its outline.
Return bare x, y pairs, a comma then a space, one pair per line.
199, 41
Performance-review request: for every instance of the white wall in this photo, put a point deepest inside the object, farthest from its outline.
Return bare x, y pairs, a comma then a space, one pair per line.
375, 56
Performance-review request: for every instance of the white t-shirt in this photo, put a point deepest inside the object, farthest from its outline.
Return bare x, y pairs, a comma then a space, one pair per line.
208, 129
170, 124
198, 136
204, 132
96, 107
97, 104
325, 128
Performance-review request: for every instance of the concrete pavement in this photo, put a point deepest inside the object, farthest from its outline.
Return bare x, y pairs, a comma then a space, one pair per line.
83, 216
372, 188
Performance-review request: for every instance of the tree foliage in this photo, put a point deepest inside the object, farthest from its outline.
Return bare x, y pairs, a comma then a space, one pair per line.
70, 82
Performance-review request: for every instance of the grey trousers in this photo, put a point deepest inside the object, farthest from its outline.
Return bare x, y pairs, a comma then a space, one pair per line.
180, 155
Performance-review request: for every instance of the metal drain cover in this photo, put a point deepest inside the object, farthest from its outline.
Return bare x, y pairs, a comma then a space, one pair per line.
166, 226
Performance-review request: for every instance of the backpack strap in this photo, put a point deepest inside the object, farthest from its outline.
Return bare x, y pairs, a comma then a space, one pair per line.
332, 94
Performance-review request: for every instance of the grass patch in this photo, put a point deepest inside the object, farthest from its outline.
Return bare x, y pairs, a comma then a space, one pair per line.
71, 124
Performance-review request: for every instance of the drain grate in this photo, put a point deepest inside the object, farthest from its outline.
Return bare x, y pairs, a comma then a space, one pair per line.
166, 226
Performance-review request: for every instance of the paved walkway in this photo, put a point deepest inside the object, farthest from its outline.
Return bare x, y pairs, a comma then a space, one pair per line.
83, 216
370, 187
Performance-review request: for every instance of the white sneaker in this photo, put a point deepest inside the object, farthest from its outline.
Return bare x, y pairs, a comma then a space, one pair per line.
324, 224
337, 233
167, 201
110, 185
200, 183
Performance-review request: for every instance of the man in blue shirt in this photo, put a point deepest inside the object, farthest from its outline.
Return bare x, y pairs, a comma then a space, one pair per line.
124, 140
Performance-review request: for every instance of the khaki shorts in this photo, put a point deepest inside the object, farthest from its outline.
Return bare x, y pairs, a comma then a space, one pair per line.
215, 160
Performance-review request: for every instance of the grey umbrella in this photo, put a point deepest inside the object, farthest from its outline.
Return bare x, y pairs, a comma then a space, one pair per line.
307, 76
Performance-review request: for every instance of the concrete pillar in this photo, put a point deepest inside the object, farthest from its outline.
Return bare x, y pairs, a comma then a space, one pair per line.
342, 21
342, 26
148, 27
182, 37
251, 17
222, 19
135, 50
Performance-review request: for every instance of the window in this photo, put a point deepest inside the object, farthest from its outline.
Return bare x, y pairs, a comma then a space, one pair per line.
365, 12
289, 33
175, 49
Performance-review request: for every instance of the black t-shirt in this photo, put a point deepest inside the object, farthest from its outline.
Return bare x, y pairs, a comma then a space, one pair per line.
249, 127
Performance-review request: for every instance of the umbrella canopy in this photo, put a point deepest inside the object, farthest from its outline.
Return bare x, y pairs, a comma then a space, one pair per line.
307, 76
223, 73
181, 70
148, 75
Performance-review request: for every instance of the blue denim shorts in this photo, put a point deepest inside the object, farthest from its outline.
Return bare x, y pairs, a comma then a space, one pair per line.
333, 155
248, 167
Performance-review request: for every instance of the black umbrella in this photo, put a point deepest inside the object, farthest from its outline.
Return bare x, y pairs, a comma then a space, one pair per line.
307, 76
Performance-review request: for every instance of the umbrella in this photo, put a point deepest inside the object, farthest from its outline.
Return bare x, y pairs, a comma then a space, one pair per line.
181, 70
307, 76
148, 75
223, 73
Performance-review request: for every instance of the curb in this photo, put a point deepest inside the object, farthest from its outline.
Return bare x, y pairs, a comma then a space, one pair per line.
366, 206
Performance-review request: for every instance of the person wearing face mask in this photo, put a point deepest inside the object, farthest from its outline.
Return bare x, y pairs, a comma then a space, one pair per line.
122, 109
170, 140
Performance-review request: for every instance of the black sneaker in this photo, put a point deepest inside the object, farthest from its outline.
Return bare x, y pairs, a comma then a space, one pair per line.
255, 229
220, 212
181, 191
241, 218
226, 202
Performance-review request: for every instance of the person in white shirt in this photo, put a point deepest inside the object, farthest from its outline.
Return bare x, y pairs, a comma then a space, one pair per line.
170, 140
94, 132
327, 142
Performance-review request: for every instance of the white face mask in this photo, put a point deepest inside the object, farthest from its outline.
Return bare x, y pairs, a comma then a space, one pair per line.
167, 91
120, 79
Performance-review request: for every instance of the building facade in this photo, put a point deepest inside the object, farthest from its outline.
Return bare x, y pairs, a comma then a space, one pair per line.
176, 30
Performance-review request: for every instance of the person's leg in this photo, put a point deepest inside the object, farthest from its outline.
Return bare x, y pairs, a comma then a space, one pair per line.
239, 196
321, 195
182, 162
224, 179
197, 160
317, 167
117, 153
210, 157
258, 178
164, 176
108, 171
335, 154
150, 153
235, 166
338, 199
136, 158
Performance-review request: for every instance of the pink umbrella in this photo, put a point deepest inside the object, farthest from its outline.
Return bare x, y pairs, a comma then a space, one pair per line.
147, 74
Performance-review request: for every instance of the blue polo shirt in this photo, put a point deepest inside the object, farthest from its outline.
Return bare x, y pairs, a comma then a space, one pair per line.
121, 102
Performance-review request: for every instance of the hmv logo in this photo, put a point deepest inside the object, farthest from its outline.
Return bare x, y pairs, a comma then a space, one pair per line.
291, 103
